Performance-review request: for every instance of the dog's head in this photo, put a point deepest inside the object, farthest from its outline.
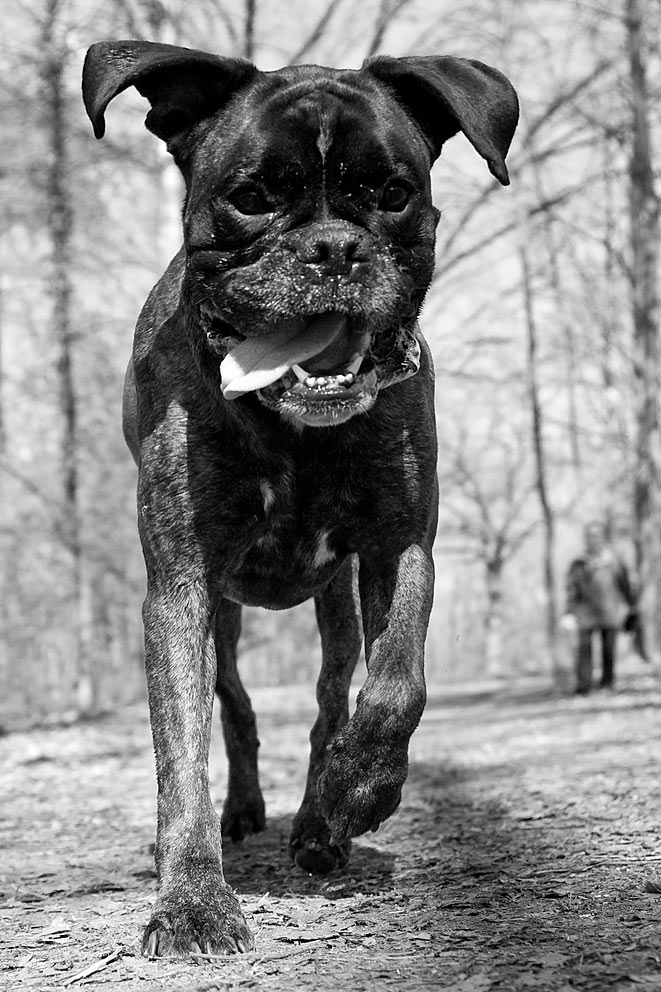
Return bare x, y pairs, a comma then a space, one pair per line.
308, 222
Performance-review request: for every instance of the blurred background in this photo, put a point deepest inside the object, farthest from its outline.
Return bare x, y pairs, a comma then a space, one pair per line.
543, 319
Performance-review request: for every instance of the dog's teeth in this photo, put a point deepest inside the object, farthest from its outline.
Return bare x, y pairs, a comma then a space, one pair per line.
300, 373
355, 365
320, 381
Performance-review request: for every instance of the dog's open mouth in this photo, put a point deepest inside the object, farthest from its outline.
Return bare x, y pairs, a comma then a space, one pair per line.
318, 369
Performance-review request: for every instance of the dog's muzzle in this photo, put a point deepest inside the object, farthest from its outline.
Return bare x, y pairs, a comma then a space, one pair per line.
318, 370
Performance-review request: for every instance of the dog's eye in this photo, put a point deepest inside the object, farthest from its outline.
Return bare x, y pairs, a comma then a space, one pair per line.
394, 198
250, 200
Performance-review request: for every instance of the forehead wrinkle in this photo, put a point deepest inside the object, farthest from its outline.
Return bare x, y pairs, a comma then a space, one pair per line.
315, 85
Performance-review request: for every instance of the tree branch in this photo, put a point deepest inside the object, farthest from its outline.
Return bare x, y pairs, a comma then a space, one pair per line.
316, 33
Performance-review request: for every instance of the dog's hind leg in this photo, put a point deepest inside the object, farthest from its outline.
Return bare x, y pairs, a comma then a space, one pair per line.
338, 616
243, 812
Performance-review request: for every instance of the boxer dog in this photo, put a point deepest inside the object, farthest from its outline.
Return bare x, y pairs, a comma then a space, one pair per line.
279, 405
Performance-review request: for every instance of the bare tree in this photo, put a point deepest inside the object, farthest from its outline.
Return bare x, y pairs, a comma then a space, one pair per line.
317, 32
387, 14
59, 223
71, 292
541, 468
249, 29
3, 419
487, 486
645, 232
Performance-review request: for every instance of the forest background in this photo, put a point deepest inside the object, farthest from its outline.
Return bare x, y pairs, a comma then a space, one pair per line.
543, 318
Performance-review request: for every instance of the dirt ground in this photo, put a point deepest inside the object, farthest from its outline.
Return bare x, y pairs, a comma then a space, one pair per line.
525, 854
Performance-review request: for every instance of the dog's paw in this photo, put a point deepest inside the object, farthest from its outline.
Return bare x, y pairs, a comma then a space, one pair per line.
361, 785
310, 847
242, 817
201, 922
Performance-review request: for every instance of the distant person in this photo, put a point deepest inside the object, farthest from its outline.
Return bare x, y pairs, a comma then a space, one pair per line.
601, 600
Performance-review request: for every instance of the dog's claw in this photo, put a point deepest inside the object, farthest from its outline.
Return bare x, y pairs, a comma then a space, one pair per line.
313, 849
322, 861
151, 946
209, 922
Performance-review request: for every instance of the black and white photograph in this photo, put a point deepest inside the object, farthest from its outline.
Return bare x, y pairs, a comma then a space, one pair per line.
330, 495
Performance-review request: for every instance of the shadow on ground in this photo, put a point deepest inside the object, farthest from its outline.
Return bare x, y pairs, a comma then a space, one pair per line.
262, 864
517, 860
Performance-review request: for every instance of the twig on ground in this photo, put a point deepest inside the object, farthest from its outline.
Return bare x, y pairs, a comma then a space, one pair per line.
595, 863
91, 969
308, 949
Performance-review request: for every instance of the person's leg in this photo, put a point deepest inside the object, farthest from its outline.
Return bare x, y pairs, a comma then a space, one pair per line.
584, 662
608, 642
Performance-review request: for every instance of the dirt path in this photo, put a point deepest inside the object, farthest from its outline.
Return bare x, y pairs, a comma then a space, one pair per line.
518, 859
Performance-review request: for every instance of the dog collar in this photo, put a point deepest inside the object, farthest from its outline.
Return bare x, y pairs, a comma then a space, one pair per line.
403, 362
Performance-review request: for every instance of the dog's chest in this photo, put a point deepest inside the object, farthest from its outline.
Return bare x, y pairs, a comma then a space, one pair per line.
296, 524
292, 542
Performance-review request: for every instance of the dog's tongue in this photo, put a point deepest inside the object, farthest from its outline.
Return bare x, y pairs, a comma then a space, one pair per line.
257, 362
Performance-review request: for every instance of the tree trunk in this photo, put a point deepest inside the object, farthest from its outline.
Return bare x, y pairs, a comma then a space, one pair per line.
493, 618
541, 481
3, 420
4, 521
645, 233
568, 333
249, 30
60, 230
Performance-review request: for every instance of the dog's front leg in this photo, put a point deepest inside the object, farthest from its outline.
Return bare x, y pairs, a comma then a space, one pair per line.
196, 911
361, 785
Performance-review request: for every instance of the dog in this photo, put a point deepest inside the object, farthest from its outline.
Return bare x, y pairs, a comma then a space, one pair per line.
279, 405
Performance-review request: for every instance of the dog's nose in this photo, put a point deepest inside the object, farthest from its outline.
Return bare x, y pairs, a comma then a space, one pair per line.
334, 249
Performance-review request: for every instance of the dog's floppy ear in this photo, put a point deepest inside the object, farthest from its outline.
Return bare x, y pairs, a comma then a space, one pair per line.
183, 85
445, 95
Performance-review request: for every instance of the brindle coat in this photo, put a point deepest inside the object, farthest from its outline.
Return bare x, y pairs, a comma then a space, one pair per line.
307, 192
